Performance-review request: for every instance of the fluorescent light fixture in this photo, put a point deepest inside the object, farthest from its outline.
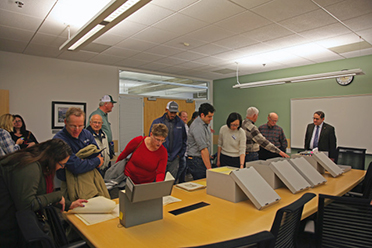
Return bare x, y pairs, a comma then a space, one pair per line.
305, 78
107, 18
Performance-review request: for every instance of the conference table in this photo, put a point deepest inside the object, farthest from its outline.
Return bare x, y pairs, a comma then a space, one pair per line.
220, 220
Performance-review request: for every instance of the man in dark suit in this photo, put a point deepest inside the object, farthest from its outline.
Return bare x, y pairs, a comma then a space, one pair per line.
321, 135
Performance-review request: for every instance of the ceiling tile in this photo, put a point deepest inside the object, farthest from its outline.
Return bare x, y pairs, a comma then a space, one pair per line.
11, 19
15, 34
360, 22
180, 24
325, 32
149, 57
210, 34
243, 22
236, 41
350, 9
212, 10
189, 55
104, 59
155, 35
164, 50
121, 52
77, 56
308, 21
269, 32
149, 14
134, 44
210, 49
278, 10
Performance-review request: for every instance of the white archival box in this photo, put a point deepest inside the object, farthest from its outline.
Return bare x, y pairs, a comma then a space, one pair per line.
328, 164
309, 158
255, 187
220, 184
308, 172
263, 167
142, 203
289, 175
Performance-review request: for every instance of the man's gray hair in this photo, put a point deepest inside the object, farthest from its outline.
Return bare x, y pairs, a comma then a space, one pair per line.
101, 104
251, 111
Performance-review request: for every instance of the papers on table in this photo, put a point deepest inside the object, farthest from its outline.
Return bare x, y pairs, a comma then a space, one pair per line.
190, 186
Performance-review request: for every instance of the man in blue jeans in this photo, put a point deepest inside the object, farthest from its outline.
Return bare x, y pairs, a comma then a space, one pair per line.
199, 142
175, 142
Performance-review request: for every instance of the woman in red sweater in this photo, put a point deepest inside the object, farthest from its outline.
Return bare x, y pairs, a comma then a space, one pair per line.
149, 159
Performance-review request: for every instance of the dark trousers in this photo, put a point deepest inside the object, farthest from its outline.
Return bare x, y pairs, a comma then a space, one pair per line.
182, 170
196, 167
252, 156
229, 161
264, 154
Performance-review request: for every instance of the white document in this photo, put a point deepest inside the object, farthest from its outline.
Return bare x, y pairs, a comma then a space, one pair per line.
90, 219
96, 205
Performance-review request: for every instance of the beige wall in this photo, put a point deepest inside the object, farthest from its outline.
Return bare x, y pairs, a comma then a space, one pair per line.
34, 82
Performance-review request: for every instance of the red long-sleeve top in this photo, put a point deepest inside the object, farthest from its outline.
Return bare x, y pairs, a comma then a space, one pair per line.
144, 166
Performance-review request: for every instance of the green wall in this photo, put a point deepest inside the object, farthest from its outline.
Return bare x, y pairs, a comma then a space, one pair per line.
276, 98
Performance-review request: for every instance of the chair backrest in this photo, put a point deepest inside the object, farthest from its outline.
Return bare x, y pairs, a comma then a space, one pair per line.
287, 221
344, 222
59, 234
355, 157
367, 183
30, 228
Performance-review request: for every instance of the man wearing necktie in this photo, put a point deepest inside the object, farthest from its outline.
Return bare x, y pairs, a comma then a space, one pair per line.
321, 135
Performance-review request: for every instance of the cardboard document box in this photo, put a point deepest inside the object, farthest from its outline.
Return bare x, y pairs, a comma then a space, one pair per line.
142, 203
289, 176
309, 158
263, 168
255, 187
307, 171
328, 164
220, 184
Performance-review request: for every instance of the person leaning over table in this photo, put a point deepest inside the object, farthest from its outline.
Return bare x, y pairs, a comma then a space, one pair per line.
26, 182
7, 145
149, 157
255, 139
19, 131
231, 143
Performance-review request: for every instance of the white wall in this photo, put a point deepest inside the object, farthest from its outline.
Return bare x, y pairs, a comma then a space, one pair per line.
34, 82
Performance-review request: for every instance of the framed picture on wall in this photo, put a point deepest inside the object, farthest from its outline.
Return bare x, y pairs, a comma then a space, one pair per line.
59, 110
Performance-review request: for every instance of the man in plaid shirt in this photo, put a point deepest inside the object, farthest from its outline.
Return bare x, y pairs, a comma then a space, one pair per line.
274, 134
255, 139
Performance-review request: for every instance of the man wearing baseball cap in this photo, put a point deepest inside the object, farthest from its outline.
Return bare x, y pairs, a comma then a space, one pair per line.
175, 142
105, 106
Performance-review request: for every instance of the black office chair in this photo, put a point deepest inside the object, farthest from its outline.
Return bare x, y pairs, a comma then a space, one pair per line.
366, 186
35, 237
283, 233
355, 157
344, 222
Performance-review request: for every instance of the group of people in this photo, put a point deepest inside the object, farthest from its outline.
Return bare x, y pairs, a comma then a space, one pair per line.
79, 155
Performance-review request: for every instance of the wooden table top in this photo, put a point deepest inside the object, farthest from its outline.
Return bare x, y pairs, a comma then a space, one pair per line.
221, 220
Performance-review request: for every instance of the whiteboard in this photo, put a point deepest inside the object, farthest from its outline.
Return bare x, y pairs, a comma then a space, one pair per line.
350, 115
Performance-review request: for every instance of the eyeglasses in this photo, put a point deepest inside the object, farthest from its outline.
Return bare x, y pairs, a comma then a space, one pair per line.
97, 122
18, 121
62, 165
75, 127
159, 140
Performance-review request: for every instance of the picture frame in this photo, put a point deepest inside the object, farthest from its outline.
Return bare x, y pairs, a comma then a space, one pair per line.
59, 110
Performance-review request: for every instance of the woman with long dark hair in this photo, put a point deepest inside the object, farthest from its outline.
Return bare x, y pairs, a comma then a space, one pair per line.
26, 182
20, 132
